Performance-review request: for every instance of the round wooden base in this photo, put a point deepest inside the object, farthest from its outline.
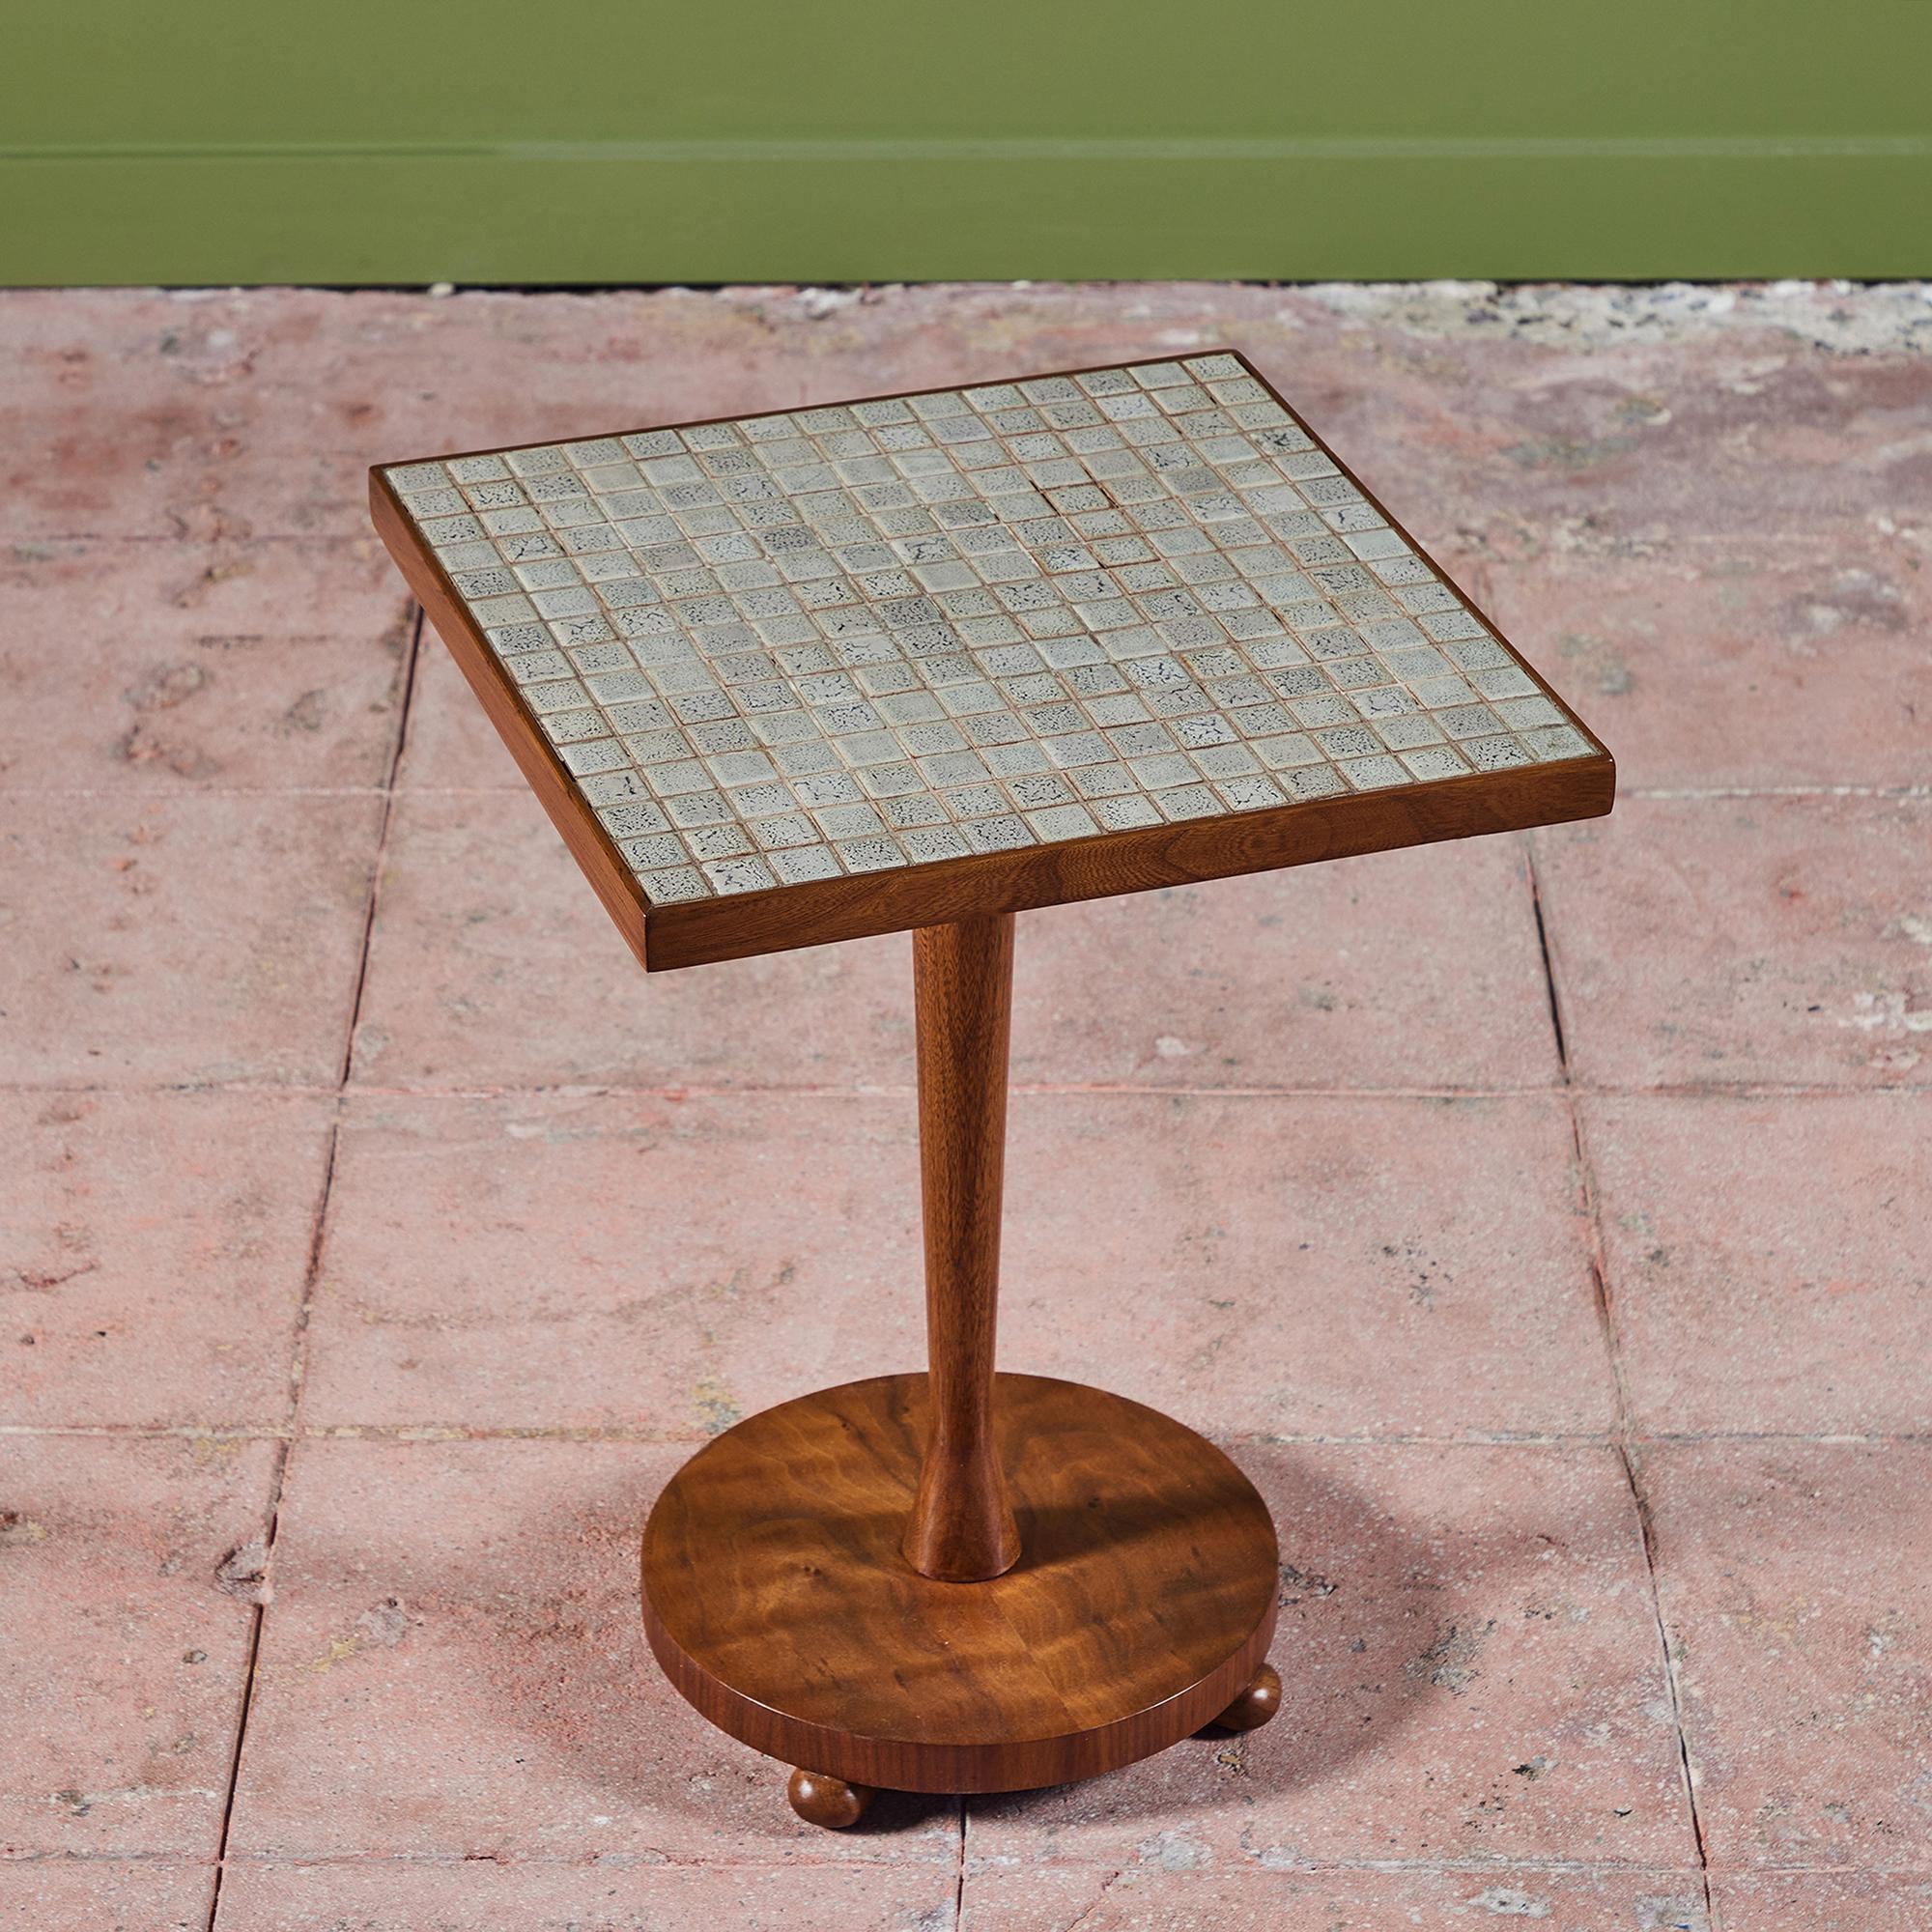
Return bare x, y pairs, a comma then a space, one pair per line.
778, 1603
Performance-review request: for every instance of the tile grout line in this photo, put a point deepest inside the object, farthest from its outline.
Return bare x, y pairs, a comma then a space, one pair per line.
1625, 1440
656, 1861
1905, 791
311, 1275
959, 1872
350, 532
296, 1090
433, 1433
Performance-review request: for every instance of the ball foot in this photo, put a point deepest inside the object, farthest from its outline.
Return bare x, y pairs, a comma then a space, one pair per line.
1256, 1705
829, 1801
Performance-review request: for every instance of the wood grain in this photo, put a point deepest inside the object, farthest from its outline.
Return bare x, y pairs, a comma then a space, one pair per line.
962, 1527
778, 1600
702, 931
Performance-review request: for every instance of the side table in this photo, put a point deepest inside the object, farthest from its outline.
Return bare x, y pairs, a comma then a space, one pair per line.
924, 662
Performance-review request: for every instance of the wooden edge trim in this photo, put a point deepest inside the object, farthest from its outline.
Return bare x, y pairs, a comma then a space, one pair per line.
702, 931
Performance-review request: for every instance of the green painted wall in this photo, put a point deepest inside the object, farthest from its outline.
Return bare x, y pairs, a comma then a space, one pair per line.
848, 140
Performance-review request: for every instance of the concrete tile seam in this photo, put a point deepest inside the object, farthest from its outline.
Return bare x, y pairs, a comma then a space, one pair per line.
655, 1860
312, 1276
1587, 1194
441, 1433
1740, 1089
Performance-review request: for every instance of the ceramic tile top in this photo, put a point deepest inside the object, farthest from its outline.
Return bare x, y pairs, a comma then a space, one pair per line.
790, 647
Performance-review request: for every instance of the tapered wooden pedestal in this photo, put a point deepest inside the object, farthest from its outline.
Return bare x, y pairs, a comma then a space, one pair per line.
961, 1581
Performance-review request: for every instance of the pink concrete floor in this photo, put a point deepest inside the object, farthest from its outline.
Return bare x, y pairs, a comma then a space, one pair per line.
1542, 1222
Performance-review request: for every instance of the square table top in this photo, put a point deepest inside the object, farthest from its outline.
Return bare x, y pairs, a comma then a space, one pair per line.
854, 667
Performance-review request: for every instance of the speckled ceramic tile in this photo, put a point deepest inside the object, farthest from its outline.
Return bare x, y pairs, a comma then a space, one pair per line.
886, 634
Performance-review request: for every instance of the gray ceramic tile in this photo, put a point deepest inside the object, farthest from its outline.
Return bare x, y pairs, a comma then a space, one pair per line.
896, 632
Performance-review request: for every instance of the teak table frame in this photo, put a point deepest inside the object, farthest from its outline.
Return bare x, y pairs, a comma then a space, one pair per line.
965, 1581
